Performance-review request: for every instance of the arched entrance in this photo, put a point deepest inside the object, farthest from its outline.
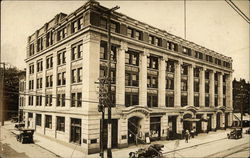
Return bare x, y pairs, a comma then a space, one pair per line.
134, 127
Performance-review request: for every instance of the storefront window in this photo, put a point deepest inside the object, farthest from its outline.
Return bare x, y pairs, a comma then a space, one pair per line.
155, 128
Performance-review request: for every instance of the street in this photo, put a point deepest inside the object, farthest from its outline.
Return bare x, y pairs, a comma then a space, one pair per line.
214, 144
11, 148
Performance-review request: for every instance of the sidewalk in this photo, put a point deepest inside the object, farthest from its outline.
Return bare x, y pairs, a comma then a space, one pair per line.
169, 146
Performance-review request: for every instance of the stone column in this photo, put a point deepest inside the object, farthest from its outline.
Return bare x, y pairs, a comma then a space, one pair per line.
164, 123
191, 85
230, 119
120, 74
122, 132
162, 81
214, 121
35, 84
179, 124
220, 89
68, 76
90, 71
211, 88
177, 84
204, 123
229, 93
143, 78
202, 87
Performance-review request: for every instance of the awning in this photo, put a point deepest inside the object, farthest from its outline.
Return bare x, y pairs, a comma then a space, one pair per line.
191, 119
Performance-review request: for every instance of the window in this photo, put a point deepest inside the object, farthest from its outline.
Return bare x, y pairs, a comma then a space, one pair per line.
104, 51
152, 100
48, 100
209, 58
39, 44
76, 75
49, 38
131, 99
38, 119
38, 100
75, 130
169, 100
132, 58
61, 80
76, 51
196, 72
76, 99
31, 50
49, 81
184, 85
49, 62
114, 27
170, 66
183, 100
215, 88
31, 84
39, 83
152, 62
31, 68
170, 83
215, 100
172, 46
198, 55
133, 33
158, 41
60, 100
132, 79
48, 121
184, 70
206, 87
61, 58
207, 101
60, 123
103, 73
77, 25
186, 51
39, 66
103, 23
31, 100
196, 101
224, 101
151, 39
207, 75
196, 86
62, 33
152, 81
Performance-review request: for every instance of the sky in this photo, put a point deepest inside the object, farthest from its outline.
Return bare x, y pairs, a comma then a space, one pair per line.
212, 24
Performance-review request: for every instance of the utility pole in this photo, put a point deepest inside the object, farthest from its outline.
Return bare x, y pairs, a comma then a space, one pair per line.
2, 70
109, 12
241, 106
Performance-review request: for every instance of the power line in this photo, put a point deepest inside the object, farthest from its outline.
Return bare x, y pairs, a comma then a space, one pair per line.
238, 11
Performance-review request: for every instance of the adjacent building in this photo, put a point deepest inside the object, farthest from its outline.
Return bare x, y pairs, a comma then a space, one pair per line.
161, 83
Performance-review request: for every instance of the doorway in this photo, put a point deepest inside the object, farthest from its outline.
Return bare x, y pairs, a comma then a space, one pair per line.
218, 121
133, 128
172, 124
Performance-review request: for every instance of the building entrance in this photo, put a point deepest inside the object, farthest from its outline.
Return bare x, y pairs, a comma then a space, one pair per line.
199, 124
134, 128
218, 117
187, 124
172, 131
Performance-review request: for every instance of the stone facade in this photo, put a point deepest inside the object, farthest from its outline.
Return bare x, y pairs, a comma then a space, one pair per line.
160, 81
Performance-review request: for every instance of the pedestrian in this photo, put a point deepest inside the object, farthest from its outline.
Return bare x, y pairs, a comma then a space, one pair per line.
192, 133
187, 135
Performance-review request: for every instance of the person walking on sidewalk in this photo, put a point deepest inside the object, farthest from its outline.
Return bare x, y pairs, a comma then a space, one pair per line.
187, 135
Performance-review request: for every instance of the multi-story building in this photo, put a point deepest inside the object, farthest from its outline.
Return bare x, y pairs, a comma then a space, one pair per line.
161, 83
241, 96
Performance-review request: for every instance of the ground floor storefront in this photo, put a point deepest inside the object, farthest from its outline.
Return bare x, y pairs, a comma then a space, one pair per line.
134, 125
